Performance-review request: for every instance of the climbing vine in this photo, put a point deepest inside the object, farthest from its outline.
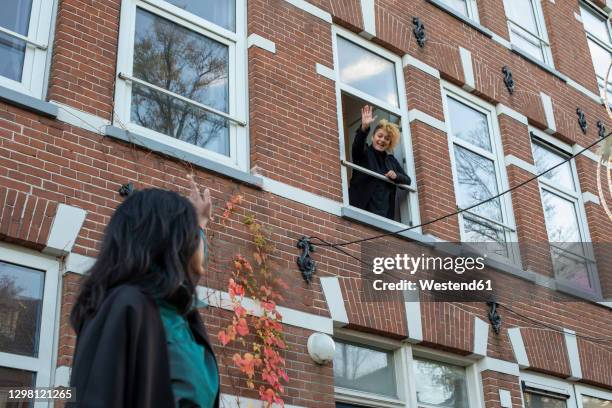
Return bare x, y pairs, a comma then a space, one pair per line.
261, 361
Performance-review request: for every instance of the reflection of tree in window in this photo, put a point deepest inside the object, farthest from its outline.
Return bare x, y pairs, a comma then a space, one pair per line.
187, 64
440, 385
542, 401
19, 309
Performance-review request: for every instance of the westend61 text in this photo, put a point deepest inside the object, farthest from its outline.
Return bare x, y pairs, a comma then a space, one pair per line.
432, 285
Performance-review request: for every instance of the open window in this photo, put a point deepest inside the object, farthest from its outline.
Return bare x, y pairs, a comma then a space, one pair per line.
479, 173
369, 75
181, 70
571, 252
25, 27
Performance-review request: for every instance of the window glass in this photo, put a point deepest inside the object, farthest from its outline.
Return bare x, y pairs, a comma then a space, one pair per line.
367, 72
440, 385
12, 378
15, 16
220, 12
469, 124
477, 182
458, 5
21, 294
595, 25
561, 218
601, 58
542, 401
188, 64
592, 402
545, 159
528, 44
521, 12
364, 369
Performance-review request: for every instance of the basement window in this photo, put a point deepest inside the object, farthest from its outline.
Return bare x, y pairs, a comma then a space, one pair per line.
368, 75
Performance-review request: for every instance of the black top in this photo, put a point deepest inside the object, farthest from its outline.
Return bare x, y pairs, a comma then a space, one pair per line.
367, 192
121, 356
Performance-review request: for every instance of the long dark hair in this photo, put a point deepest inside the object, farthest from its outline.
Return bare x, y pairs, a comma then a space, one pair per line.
149, 242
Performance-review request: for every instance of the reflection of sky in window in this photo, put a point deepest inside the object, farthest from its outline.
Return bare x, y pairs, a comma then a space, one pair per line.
561, 219
477, 182
521, 12
16, 15
459, 6
440, 385
220, 12
468, 124
29, 282
367, 72
545, 159
364, 369
595, 25
600, 57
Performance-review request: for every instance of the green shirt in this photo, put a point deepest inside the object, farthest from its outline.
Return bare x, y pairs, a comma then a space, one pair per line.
193, 372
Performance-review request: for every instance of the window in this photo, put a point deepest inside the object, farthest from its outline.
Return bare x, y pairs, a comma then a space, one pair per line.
369, 75
467, 8
440, 385
386, 373
543, 400
597, 28
565, 218
479, 174
182, 76
25, 26
527, 29
28, 292
364, 369
590, 397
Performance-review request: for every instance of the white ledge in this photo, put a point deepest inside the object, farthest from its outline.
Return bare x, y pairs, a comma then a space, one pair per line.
415, 114
310, 9
260, 42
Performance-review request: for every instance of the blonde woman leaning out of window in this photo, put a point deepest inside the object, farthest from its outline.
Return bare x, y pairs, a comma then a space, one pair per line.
367, 192
140, 340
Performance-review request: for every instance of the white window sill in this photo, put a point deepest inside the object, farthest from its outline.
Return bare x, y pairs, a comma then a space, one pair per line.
28, 102
148, 143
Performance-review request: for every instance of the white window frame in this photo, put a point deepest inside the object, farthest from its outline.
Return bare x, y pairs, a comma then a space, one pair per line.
44, 364
574, 196
542, 37
36, 50
581, 390
550, 384
497, 156
596, 10
403, 358
401, 112
236, 43
472, 10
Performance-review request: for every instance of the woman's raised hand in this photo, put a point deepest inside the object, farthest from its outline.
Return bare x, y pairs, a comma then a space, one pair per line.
201, 201
366, 117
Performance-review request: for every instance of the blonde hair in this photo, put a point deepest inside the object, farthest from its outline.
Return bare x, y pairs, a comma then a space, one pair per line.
392, 130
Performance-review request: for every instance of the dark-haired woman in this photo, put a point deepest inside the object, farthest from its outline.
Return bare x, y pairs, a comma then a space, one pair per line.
140, 339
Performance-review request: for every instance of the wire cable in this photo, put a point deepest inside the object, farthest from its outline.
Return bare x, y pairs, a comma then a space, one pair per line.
521, 184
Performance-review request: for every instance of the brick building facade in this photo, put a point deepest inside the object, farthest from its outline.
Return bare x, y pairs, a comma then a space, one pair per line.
262, 97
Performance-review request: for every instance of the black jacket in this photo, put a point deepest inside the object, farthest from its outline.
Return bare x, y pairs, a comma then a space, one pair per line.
121, 356
363, 188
